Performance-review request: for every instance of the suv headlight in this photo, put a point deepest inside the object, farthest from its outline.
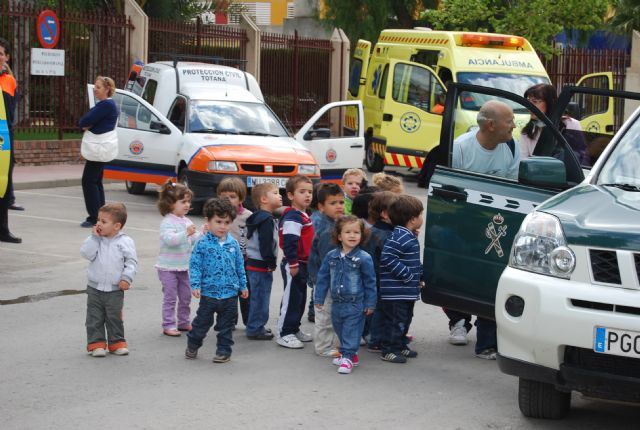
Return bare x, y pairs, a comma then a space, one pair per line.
540, 247
308, 169
224, 166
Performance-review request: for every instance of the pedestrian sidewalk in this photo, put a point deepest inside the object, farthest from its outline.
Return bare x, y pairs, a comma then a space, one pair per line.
48, 176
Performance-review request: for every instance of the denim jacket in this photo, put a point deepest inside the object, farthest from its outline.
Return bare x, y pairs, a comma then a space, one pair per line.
350, 278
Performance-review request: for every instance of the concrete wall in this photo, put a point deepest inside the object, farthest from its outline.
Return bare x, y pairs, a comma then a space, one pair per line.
139, 42
632, 80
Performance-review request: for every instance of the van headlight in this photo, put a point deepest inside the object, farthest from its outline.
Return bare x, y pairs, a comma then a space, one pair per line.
540, 247
223, 166
308, 169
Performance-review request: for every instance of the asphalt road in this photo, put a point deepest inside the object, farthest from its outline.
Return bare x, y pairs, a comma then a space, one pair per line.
48, 381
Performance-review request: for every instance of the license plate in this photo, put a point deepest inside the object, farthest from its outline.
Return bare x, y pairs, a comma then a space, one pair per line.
252, 181
617, 342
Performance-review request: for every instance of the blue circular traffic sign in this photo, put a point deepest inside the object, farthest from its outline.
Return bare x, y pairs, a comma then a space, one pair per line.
48, 29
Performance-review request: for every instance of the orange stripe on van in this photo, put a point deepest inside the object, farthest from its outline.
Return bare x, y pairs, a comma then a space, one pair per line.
136, 177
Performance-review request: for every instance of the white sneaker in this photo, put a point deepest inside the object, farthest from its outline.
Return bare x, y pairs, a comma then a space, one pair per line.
290, 341
337, 361
458, 335
345, 366
99, 352
304, 337
120, 351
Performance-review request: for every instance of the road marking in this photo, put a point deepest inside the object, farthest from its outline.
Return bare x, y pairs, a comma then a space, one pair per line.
62, 196
68, 221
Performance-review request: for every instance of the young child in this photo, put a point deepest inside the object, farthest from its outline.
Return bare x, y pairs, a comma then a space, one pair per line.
217, 276
113, 263
360, 207
262, 251
388, 183
380, 231
236, 191
296, 234
352, 181
331, 206
177, 237
400, 277
347, 271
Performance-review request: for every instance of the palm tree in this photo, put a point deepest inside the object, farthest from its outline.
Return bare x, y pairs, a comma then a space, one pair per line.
626, 16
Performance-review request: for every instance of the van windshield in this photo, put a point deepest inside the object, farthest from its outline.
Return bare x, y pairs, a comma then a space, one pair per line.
516, 84
223, 117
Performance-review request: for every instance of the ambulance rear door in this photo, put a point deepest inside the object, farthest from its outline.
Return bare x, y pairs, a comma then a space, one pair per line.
148, 143
596, 114
335, 137
413, 106
358, 70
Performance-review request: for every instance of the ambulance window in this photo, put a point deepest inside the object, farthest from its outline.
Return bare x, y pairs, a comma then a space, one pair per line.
149, 93
428, 58
177, 112
415, 86
382, 90
354, 77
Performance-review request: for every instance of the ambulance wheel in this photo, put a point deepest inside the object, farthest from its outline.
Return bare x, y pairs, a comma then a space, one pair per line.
135, 187
373, 161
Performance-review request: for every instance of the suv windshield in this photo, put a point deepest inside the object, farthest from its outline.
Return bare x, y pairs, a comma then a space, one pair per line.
621, 168
516, 84
214, 116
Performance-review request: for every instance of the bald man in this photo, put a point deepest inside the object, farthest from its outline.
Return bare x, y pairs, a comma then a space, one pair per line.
486, 150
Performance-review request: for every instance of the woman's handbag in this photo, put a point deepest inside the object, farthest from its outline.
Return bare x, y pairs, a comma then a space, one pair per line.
99, 147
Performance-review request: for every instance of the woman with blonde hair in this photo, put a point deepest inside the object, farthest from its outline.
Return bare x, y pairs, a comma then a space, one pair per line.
99, 145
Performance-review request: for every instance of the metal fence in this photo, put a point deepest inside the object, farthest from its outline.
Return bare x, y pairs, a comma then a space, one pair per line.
574, 63
222, 44
295, 75
94, 44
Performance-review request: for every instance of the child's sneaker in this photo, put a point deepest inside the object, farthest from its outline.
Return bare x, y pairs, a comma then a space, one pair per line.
304, 337
409, 338
332, 353
458, 334
345, 367
355, 361
221, 358
337, 361
120, 351
190, 353
393, 358
99, 352
290, 341
409, 353
171, 332
488, 354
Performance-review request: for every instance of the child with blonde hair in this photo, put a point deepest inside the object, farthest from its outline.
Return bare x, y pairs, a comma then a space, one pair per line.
177, 237
386, 182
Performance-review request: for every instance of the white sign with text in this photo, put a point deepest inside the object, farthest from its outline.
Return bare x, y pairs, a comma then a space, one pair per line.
47, 62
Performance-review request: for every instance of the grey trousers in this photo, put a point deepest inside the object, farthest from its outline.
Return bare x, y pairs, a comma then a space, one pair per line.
104, 310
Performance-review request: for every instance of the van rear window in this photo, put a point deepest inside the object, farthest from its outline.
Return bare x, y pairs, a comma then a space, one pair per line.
149, 93
354, 77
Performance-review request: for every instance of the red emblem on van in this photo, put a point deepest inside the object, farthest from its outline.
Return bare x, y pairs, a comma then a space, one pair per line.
136, 147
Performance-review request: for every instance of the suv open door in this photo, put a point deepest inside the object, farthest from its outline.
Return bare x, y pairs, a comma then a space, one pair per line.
472, 218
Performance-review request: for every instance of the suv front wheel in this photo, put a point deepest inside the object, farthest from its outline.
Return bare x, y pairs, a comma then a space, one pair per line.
542, 400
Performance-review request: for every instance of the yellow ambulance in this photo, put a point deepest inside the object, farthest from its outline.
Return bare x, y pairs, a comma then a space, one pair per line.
402, 83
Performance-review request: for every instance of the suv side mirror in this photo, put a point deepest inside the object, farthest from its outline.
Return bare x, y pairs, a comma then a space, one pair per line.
543, 172
159, 127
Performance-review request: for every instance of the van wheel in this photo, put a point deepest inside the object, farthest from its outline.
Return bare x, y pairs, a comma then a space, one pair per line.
196, 207
542, 400
135, 187
373, 161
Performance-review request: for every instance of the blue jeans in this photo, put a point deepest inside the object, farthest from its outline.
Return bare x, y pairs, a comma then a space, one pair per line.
227, 310
259, 301
376, 325
348, 322
397, 316
486, 335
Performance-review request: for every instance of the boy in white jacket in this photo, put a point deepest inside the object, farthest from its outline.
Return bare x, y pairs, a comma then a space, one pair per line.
113, 262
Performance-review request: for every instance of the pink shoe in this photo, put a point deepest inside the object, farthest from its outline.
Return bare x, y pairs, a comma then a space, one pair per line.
345, 366
185, 328
171, 332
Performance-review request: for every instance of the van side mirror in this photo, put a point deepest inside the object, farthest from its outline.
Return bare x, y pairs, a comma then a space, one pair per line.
159, 127
317, 133
543, 172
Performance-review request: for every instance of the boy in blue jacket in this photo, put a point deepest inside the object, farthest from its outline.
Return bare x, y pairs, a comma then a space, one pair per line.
400, 278
216, 272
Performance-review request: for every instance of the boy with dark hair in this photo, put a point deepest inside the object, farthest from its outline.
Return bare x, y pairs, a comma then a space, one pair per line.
331, 206
296, 234
380, 232
216, 272
400, 277
113, 263
262, 250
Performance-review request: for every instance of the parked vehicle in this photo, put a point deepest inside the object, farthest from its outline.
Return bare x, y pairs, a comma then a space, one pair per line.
567, 307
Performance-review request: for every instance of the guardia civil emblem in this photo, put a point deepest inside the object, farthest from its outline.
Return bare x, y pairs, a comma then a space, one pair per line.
494, 231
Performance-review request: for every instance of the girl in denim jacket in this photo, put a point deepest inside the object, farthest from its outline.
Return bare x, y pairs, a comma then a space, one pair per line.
348, 272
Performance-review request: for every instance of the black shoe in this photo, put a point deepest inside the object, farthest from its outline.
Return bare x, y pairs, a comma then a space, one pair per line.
190, 353
10, 238
221, 358
393, 358
311, 318
409, 353
261, 336
87, 224
15, 207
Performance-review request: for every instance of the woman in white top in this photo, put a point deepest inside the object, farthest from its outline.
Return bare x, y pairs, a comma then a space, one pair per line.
533, 140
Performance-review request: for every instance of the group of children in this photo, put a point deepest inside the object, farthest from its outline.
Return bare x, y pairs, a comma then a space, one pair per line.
358, 252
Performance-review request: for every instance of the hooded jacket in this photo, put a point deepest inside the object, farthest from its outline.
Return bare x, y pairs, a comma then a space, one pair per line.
112, 259
262, 242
